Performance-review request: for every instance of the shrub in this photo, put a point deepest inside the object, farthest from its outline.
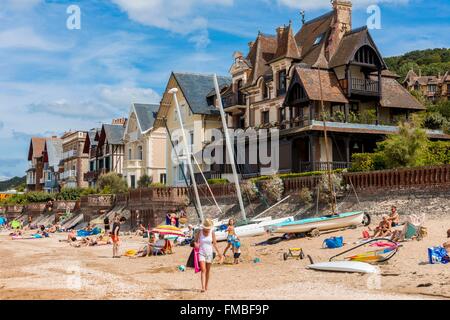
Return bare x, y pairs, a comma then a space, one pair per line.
438, 153
305, 196
144, 181
112, 183
368, 116
274, 188
362, 162
157, 185
248, 188
339, 116
70, 194
218, 181
434, 121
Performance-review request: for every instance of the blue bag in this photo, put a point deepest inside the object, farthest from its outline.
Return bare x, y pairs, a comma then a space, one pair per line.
438, 255
333, 243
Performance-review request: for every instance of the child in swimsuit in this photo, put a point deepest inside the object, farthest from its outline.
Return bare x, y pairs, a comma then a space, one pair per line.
231, 235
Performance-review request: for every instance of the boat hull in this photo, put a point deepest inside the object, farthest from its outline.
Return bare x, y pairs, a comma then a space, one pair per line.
252, 230
343, 220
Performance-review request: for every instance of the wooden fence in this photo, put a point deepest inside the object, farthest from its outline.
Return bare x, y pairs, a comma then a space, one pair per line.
400, 178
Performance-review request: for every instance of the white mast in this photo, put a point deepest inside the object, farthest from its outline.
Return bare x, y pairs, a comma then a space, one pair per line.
229, 147
188, 154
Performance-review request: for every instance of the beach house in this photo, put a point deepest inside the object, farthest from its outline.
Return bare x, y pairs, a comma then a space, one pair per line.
75, 162
144, 146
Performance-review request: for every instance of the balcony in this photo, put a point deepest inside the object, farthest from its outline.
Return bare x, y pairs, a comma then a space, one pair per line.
365, 87
68, 174
134, 164
31, 181
236, 100
70, 154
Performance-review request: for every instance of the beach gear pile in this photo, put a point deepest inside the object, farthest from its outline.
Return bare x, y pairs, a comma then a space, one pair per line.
437, 255
333, 243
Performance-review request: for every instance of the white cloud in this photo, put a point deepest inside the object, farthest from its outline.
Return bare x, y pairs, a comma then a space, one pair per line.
26, 38
325, 4
178, 16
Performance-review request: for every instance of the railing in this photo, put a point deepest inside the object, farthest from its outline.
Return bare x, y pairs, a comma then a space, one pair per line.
323, 166
70, 154
365, 86
134, 163
31, 181
234, 100
68, 174
91, 175
400, 178
298, 183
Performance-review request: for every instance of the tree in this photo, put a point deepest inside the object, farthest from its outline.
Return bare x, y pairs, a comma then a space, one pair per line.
112, 183
144, 181
407, 148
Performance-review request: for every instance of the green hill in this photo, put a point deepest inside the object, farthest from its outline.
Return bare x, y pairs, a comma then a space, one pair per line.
13, 183
430, 62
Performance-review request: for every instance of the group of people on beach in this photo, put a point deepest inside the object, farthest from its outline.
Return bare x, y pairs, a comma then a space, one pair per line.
388, 222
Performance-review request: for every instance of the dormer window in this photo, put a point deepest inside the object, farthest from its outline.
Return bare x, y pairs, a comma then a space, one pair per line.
319, 39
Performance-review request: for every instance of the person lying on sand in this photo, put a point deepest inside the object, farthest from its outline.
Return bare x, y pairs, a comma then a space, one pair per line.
384, 228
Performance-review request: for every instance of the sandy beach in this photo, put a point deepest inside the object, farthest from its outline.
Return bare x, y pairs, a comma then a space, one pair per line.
49, 269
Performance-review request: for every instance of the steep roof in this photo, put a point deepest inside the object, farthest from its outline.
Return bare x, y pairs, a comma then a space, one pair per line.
331, 91
286, 44
145, 114
394, 95
54, 149
36, 148
114, 133
91, 139
262, 51
350, 43
311, 52
195, 87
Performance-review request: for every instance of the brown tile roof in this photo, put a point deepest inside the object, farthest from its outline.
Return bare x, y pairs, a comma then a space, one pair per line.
350, 43
262, 51
36, 147
286, 44
394, 95
308, 34
331, 91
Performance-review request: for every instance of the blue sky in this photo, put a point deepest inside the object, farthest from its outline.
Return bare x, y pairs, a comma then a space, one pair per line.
53, 79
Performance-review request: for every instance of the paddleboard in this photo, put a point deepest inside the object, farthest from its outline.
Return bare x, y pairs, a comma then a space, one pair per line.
345, 266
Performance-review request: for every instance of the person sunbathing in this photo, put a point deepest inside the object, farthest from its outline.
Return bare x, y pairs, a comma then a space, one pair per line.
394, 217
140, 231
384, 228
158, 246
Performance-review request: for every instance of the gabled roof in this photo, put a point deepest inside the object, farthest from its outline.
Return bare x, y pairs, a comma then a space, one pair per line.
286, 44
54, 151
262, 51
91, 139
36, 148
195, 87
350, 43
331, 91
307, 35
145, 114
113, 133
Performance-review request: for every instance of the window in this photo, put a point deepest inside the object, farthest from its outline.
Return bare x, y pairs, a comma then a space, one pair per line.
129, 154
140, 153
432, 88
240, 95
265, 91
265, 117
282, 82
163, 178
191, 140
354, 107
319, 39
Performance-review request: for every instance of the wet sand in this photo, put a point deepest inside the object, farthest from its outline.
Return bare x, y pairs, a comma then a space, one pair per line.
49, 269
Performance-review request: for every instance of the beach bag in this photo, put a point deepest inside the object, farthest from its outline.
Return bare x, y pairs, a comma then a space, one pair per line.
333, 243
438, 255
196, 261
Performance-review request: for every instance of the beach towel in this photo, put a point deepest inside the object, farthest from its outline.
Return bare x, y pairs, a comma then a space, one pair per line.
193, 260
93, 232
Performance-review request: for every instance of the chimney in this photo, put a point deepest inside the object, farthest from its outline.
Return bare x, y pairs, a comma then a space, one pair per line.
119, 121
250, 45
342, 23
280, 33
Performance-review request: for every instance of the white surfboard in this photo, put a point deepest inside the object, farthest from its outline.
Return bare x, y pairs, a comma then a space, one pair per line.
345, 266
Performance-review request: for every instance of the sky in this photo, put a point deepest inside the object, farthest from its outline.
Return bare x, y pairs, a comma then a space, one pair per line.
53, 79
